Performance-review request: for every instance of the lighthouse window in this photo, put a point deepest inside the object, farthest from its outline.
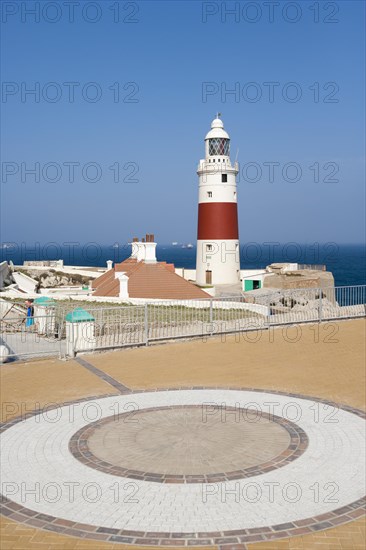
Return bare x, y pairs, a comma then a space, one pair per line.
224, 178
209, 194
219, 146
209, 247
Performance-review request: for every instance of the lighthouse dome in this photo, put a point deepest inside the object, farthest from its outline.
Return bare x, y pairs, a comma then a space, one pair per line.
217, 123
217, 130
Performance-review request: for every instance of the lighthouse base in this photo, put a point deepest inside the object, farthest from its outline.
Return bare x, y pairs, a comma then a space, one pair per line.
218, 262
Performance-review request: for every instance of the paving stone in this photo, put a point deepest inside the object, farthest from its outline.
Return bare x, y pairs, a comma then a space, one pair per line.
351, 533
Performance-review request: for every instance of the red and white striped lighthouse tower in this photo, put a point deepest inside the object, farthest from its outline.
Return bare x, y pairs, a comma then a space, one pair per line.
218, 260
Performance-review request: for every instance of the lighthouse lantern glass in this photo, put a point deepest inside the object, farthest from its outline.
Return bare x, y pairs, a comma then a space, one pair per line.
219, 146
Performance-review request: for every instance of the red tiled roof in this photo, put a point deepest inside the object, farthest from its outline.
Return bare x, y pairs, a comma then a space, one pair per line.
155, 280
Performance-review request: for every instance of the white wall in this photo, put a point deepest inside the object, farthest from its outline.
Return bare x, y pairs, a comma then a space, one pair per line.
71, 290
223, 261
251, 273
187, 274
25, 283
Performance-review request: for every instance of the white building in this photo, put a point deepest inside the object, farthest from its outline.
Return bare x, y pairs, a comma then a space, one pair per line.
218, 261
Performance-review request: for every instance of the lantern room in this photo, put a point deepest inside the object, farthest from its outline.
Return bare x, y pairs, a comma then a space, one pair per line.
217, 141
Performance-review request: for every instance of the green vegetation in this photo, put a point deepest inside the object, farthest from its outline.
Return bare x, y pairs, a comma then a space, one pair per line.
174, 315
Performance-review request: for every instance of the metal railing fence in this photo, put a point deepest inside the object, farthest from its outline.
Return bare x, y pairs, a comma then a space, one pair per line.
36, 336
133, 325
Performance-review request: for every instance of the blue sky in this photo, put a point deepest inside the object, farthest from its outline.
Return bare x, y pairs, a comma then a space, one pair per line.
160, 55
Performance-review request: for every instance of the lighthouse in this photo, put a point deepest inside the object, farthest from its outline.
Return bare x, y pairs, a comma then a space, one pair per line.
218, 255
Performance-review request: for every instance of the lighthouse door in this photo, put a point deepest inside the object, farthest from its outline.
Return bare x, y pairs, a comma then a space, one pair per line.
208, 277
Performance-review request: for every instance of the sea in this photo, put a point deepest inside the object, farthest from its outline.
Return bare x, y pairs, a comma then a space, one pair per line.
347, 262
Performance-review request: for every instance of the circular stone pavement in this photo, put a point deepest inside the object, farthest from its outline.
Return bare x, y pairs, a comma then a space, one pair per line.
181, 441
317, 482
189, 444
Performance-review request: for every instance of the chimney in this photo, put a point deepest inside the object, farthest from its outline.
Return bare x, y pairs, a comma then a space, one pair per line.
140, 251
144, 250
123, 284
135, 247
109, 265
150, 249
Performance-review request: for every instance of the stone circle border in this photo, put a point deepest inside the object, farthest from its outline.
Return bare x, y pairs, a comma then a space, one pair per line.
224, 539
79, 448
